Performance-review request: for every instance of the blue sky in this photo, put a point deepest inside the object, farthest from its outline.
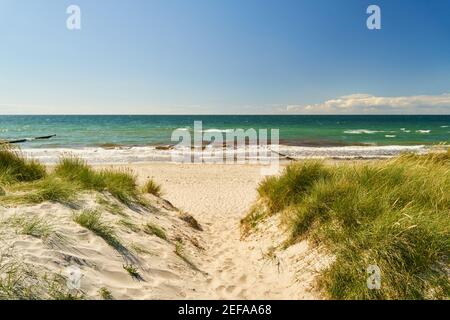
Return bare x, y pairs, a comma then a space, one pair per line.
224, 57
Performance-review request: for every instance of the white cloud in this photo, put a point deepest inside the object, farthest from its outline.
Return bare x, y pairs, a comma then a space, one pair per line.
369, 104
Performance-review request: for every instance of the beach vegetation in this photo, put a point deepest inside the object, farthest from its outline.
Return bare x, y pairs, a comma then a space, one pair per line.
129, 225
19, 282
105, 293
139, 249
14, 167
120, 183
132, 271
191, 221
151, 187
153, 229
180, 252
32, 226
26, 181
91, 220
50, 188
110, 206
394, 214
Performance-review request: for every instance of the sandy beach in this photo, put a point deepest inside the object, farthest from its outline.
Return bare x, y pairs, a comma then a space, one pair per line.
219, 196
216, 263
187, 231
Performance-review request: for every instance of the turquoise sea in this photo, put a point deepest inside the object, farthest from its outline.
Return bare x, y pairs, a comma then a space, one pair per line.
295, 130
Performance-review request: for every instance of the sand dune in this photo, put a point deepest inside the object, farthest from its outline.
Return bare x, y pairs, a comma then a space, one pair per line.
162, 273
216, 263
219, 196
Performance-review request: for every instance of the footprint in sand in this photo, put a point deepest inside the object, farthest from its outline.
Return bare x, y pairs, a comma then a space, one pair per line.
230, 289
243, 279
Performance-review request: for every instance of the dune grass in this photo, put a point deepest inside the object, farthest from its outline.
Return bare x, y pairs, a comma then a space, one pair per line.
32, 226
105, 293
129, 225
179, 251
18, 281
121, 184
132, 271
110, 206
26, 181
91, 220
14, 167
394, 214
50, 188
153, 229
152, 187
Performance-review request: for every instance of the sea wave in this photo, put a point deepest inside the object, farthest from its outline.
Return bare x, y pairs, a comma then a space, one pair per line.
362, 131
218, 130
124, 155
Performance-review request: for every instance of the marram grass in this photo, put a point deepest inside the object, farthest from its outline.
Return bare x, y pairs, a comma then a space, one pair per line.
152, 187
394, 214
121, 184
26, 181
14, 167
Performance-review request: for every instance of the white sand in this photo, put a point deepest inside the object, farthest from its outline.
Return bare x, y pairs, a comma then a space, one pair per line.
218, 196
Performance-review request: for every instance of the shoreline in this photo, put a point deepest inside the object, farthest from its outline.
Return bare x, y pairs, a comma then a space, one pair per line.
252, 155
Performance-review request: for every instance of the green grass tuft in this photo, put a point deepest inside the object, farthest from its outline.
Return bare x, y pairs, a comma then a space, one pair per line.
91, 219
110, 206
15, 168
132, 271
129, 225
393, 214
34, 226
292, 185
121, 184
50, 188
179, 251
153, 229
105, 294
152, 187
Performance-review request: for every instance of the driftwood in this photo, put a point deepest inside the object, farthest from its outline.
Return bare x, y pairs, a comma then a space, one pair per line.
284, 156
28, 139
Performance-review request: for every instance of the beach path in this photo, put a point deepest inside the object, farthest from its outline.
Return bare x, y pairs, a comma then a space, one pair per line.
218, 196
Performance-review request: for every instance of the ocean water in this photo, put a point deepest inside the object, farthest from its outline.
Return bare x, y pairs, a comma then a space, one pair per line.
303, 136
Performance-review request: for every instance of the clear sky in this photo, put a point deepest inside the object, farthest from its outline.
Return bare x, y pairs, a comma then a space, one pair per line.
224, 57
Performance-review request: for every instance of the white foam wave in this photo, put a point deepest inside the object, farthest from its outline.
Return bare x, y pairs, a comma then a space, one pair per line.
362, 131
125, 155
218, 130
